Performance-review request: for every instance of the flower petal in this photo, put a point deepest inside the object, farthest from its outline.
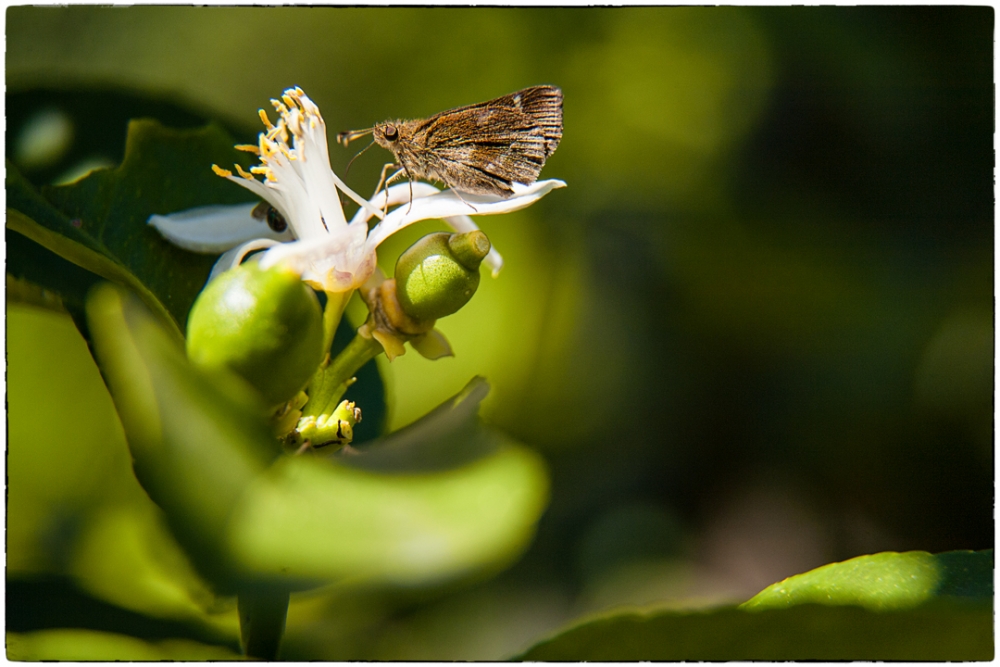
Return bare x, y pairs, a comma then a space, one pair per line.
448, 204
214, 229
424, 201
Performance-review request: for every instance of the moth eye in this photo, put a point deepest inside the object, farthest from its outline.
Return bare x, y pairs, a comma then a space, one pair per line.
275, 220
391, 133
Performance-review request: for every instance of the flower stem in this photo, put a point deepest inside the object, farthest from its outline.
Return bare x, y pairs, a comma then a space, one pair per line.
335, 304
331, 382
262, 621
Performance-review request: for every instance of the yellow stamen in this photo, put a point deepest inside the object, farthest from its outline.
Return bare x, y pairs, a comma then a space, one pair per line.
247, 148
244, 173
219, 171
279, 107
263, 171
264, 119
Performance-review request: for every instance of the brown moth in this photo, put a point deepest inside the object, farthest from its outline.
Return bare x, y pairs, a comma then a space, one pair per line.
480, 149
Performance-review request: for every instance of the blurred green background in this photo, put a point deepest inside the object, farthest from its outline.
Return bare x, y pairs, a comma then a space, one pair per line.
752, 336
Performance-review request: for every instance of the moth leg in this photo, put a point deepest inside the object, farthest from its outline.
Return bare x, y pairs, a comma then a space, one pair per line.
384, 182
459, 195
402, 172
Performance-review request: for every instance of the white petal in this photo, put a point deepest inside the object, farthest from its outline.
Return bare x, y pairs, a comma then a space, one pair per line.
397, 194
234, 257
214, 229
448, 204
335, 262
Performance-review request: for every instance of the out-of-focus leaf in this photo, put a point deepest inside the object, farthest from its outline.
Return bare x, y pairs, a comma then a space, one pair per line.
447, 437
196, 440
126, 556
36, 603
885, 581
309, 519
202, 451
88, 645
891, 606
65, 452
940, 631
22, 291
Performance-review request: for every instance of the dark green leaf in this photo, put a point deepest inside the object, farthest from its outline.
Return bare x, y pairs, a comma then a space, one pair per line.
890, 606
939, 631
163, 171
36, 219
90, 123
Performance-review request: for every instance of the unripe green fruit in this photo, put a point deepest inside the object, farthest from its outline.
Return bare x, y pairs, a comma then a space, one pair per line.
439, 273
266, 326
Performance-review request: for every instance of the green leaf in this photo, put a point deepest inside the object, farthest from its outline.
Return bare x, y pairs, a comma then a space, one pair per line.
204, 455
440, 498
909, 606
940, 631
445, 438
90, 645
885, 581
310, 519
37, 223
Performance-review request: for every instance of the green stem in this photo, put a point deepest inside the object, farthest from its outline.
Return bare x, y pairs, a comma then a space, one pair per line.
262, 621
330, 383
336, 302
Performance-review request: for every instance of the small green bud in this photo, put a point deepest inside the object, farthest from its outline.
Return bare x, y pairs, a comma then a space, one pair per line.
439, 273
266, 326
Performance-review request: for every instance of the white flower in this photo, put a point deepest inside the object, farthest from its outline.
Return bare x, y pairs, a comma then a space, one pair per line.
329, 252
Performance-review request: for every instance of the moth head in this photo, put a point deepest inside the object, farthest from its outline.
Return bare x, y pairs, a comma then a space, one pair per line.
386, 134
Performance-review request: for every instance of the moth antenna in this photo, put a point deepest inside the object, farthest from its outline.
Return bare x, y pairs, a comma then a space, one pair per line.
356, 155
347, 137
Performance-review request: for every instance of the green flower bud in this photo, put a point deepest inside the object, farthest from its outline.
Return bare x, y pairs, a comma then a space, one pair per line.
266, 326
439, 273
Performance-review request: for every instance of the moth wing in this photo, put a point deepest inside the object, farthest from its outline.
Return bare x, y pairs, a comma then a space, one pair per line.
537, 108
476, 180
517, 161
543, 104
483, 148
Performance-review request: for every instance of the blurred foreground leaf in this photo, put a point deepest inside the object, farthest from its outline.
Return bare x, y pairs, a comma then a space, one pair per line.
204, 454
948, 615
88, 645
196, 440
311, 519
